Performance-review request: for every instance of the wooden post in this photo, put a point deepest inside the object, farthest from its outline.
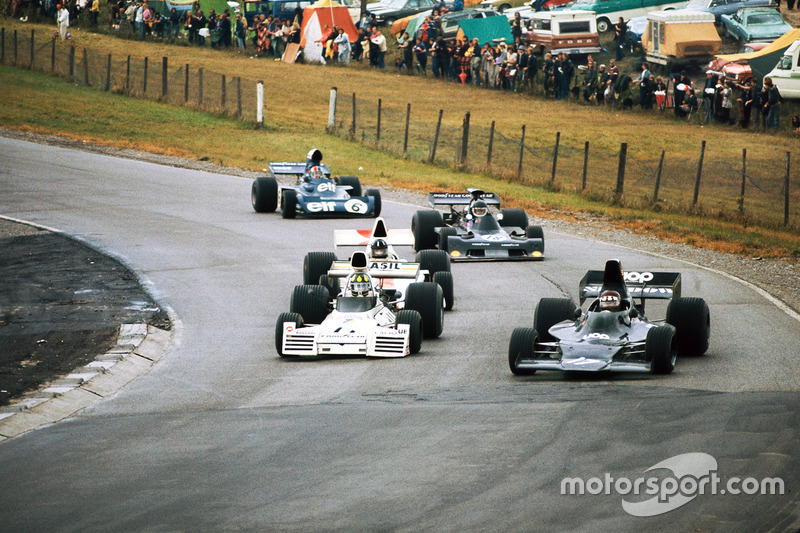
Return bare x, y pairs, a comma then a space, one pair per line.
353, 126
331, 109
53, 55
658, 179
144, 82
408, 120
85, 67
224, 95
3, 45
491, 143
238, 96
108, 73
164, 72
623, 157
436, 136
555, 158
128, 75
186, 86
786, 191
378, 132
15, 47
260, 104
200, 87
699, 174
33, 47
585, 164
744, 180
72, 62
521, 153
465, 139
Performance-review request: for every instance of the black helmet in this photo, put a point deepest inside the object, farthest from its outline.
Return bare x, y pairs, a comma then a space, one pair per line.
379, 249
479, 208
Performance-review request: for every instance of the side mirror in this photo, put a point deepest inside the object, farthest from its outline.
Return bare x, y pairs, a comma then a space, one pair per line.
633, 313
578, 312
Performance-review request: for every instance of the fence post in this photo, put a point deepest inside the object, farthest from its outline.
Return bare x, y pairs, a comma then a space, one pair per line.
744, 179
436, 137
491, 143
786, 192
332, 110
521, 153
260, 104
405, 136
465, 139
3, 45
555, 158
378, 132
186, 86
85, 67
200, 87
658, 179
699, 175
144, 82
585, 164
353, 126
224, 96
238, 96
128, 75
108, 73
164, 71
72, 62
623, 157
53, 55
33, 47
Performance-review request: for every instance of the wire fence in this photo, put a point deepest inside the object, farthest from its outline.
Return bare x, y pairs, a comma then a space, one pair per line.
754, 188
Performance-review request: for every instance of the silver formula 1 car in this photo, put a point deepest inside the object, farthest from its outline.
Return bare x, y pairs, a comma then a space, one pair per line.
315, 193
362, 319
613, 333
470, 231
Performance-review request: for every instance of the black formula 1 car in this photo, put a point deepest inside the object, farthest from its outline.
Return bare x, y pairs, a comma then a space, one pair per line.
613, 334
315, 193
470, 231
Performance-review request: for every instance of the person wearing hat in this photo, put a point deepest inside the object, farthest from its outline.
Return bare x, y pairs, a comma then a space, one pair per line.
63, 21
709, 89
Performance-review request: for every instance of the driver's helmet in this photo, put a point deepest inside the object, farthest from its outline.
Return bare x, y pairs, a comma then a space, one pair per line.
479, 209
315, 172
610, 301
360, 285
379, 249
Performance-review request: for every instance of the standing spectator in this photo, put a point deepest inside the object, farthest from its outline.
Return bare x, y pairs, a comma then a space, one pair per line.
691, 104
475, 61
240, 31
660, 92
405, 44
94, 11
567, 71
727, 102
262, 36
225, 29
139, 19
130, 16
747, 100
458, 5
421, 51
603, 79
380, 42
437, 54
620, 33
613, 76
589, 79
342, 41
174, 23
549, 74
709, 90
516, 27
201, 25
295, 36
681, 85
63, 21
643, 80
773, 104
790, 5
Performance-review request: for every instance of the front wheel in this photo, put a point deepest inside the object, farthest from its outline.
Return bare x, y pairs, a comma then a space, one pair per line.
310, 302
445, 281
603, 24
376, 196
283, 319
660, 349
514, 218
521, 347
289, 203
315, 265
351, 181
264, 194
423, 226
414, 321
692, 321
428, 300
548, 313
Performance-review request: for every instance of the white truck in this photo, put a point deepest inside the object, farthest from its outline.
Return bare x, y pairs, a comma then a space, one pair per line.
786, 74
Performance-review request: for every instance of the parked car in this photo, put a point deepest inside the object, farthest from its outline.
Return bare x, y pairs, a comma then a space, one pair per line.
723, 7
786, 74
571, 32
450, 20
755, 24
609, 11
736, 71
387, 11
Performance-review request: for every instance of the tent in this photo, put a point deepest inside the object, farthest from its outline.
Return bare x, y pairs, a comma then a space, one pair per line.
764, 60
410, 23
485, 30
315, 18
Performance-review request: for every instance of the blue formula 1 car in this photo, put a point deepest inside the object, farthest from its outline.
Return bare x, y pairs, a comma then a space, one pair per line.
314, 193
613, 333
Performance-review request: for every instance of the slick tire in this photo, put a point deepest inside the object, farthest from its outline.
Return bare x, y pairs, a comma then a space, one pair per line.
433, 261
310, 302
445, 281
264, 194
692, 321
514, 218
414, 320
352, 181
423, 226
289, 203
551, 311
660, 349
428, 300
283, 318
444, 235
376, 195
520, 346
332, 284
315, 265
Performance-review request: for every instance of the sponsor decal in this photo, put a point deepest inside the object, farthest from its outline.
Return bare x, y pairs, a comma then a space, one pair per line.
355, 206
596, 336
493, 238
317, 207
326, 186
383, 265
637, 277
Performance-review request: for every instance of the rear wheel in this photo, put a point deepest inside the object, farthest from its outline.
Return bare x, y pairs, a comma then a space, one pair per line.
514, 218
433, 261
283, 318
352, 181
264, 194
660, 349
603, 25
315, 265
310, 302
289, 203
428, 300
549, 312
423, 226
376, 195
332, 284
534, 232
445, 281
414, 320
692, 321
444, 237
521, 347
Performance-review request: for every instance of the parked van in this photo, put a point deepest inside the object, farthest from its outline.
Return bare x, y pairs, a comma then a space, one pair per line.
571, 32
609, 11
680, 37
786, 74
283, 9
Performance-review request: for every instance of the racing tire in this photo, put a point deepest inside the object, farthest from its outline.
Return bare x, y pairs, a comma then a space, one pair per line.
603, 25
692, 321
549, 312
353, 182
444, 234
660, 349
423, 226
315, 265
514, 218
414, 320
428, 300
521, 347
433, 261
282, 319
376, 195
264, 194
289, 203
445, 281
310, 302
534, 232
332, 284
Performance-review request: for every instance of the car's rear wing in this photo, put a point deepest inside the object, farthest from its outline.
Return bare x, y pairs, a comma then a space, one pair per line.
460, 198
645, 285
362, 237
386, 268
294, 169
